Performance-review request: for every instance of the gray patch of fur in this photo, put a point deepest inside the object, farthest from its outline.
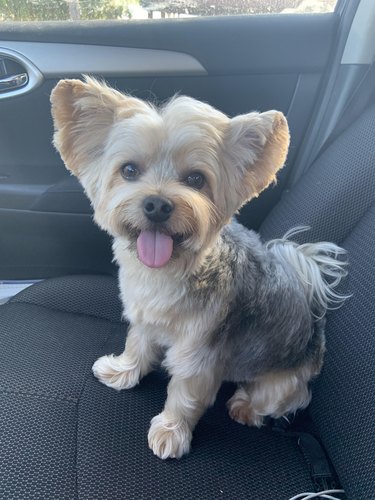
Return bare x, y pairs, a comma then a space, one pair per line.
267, 324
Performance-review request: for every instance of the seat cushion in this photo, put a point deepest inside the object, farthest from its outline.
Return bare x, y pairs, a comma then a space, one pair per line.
64, 435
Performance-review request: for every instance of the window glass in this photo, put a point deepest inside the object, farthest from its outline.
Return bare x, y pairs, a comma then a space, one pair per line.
75, 10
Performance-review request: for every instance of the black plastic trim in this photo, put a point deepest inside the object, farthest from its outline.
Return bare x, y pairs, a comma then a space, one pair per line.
243, 46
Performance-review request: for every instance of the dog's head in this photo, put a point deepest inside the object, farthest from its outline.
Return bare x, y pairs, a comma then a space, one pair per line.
168, 179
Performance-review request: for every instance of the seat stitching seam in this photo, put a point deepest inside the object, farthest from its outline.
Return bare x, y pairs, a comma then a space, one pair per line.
31, 394
117, 322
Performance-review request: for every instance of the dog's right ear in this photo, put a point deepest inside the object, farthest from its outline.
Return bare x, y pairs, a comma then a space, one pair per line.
83, 114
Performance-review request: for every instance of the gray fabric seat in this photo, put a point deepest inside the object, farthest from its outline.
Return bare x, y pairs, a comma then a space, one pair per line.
65, 436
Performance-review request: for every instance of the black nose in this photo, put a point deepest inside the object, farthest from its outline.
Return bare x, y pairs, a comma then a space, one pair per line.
157, 209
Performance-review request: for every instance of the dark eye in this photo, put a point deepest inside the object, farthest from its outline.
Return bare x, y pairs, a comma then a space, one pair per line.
130, 171
195, 180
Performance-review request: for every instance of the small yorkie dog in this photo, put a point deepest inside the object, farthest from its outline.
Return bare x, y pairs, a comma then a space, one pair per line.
199, 290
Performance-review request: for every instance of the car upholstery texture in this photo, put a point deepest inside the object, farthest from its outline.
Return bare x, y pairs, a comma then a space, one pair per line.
65, 435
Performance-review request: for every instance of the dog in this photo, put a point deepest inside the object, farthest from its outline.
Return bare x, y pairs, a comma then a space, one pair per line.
201, 292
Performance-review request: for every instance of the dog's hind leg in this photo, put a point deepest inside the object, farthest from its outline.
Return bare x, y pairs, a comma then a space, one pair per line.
273, 394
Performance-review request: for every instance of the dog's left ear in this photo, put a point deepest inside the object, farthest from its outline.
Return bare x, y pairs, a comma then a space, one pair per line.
256, 147
83, 113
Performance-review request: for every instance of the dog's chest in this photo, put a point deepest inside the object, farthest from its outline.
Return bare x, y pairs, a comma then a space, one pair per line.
151, 296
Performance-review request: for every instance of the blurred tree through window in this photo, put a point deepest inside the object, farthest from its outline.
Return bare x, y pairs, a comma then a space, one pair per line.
61, 10
75, 10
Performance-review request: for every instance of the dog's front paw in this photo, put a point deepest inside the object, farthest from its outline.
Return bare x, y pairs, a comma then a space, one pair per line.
116, 372
169, 439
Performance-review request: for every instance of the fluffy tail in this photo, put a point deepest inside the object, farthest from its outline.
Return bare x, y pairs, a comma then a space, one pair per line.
319, 266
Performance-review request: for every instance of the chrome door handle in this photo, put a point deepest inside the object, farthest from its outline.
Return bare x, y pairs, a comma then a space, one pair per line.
18, 75
13, 82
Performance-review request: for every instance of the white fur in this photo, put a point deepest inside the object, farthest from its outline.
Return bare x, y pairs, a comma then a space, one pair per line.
138, 359
317, 266
171, 431
116, 372
168, 438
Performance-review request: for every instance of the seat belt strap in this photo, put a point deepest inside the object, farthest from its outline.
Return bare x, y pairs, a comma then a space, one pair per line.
321, 472
362, 97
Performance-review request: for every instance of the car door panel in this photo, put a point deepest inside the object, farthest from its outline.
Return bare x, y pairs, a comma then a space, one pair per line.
223, 45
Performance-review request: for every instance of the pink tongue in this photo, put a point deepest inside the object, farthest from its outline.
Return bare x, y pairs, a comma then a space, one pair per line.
154, 248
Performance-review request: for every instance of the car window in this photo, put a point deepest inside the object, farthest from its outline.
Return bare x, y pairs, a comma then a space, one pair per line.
78, 10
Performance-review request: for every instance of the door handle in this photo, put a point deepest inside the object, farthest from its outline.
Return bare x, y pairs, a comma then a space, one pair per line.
18, 75
13, 82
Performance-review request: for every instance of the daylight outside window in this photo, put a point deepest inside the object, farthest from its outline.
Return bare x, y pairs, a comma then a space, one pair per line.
75, 10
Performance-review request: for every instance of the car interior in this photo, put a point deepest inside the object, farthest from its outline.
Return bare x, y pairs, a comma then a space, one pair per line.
63, 434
